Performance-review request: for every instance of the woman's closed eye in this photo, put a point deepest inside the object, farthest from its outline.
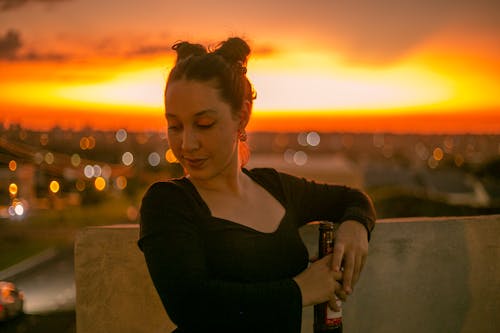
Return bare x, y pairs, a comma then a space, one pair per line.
205, 124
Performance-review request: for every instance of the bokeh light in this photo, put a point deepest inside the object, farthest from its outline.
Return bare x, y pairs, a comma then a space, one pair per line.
75, 160
100, 183
38, 158
54, 186
132, 213
288, 155
49, 158
154, 159
84, 143
121, 135
12, 211
87, 143
302, 139
313, 139
300, 158
422, 151
106, 171
80, 185
459, 160
19, 209
88, 171
170, 157
44, 139
12, 165
91, 142
449, 144
127, 158
97, 170
438, 154
13, 189
432, 163
121, 182
280, 142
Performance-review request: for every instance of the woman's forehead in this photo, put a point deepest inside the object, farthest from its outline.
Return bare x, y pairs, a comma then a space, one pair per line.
194, 98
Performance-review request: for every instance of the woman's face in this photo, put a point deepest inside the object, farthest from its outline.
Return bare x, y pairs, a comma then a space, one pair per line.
202, 132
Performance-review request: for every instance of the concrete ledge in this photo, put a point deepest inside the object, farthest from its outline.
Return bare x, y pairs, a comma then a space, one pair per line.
114, 292
422, 275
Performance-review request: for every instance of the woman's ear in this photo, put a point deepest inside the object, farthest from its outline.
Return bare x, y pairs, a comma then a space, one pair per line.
245, 112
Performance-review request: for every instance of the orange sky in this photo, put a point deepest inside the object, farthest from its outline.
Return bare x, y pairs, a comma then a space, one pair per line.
418, 67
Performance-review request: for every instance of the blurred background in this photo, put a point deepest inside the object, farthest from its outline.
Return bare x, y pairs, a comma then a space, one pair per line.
399, 98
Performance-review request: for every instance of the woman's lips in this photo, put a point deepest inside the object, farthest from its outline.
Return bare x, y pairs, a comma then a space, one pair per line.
195, 163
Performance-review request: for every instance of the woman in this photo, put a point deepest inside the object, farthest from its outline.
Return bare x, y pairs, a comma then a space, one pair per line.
222, 243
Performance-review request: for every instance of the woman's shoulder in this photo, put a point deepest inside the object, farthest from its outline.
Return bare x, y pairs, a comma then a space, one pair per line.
166, 186
175, 192
277, 182
273, 176
166, 206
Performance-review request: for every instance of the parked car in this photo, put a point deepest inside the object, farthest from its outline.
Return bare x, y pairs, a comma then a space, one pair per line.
11, 300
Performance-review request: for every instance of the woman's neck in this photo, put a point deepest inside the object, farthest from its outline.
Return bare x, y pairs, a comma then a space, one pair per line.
231, 181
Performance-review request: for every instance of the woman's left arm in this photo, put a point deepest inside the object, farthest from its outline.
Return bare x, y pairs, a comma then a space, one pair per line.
350, 207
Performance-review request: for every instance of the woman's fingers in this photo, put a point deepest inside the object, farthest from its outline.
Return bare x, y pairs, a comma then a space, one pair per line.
349, 266
334, 304
338, 255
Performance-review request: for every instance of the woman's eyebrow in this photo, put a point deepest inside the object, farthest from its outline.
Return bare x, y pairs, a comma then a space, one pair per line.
207, 112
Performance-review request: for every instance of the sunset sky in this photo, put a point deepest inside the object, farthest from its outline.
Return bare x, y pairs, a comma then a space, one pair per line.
392, 65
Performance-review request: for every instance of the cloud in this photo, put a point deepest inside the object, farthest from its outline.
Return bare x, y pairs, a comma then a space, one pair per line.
361, 32
155, 49
13, 4
11, 49
381, 32
10, 44
150, 50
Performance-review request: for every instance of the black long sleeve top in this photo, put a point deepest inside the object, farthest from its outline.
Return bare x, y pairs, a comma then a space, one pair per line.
214, 275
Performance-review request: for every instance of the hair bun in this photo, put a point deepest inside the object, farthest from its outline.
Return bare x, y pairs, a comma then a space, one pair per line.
234, 50
185, 50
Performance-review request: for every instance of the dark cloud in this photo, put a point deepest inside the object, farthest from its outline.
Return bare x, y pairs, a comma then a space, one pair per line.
34, 56
10, 44
12, 4
150, 50
11, 49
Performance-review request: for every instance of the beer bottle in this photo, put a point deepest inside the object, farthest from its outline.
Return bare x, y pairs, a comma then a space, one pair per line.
325, 319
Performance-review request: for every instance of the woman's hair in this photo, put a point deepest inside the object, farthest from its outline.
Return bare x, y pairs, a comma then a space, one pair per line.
225, 66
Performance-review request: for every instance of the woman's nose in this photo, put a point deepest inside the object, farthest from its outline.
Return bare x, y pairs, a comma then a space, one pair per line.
189, 140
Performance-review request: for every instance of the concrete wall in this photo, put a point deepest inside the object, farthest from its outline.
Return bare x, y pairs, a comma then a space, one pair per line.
114, 293
422, 275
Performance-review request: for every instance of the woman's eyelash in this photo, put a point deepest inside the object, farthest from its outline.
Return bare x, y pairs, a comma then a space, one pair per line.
176, 127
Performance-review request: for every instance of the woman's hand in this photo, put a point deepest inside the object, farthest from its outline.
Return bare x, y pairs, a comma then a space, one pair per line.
319, 283
349, 252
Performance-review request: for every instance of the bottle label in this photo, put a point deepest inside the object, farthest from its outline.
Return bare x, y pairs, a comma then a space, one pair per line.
333, 318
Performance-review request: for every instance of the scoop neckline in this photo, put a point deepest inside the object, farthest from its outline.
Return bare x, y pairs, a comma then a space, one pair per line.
243, 226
